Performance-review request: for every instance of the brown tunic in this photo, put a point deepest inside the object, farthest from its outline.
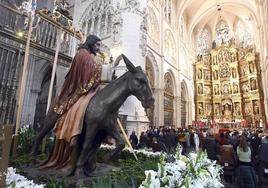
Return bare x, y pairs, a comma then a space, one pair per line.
80, 85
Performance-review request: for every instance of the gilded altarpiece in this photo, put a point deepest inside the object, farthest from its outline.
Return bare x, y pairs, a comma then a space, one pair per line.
228, 86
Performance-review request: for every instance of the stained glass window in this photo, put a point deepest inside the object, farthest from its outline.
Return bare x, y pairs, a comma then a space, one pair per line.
167, 10
181, 27
222, 32
243, 33
203, 41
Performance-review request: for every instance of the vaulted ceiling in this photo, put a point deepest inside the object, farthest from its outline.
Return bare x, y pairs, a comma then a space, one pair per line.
205, 12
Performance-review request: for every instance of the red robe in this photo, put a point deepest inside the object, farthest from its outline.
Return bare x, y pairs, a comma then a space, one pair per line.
79, 87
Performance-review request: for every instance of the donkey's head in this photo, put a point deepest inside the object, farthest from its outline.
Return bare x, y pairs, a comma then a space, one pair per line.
138, 84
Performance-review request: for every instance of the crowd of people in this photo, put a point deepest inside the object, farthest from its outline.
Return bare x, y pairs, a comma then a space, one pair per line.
242, 152
166, 139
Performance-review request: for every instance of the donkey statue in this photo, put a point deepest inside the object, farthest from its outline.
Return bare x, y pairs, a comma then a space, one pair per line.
101, 114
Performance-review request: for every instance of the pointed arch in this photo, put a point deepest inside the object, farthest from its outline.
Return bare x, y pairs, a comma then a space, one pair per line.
222, 32
41, 102
204, 40
242, 32
150, 72
153, 29
152, 66
169, 93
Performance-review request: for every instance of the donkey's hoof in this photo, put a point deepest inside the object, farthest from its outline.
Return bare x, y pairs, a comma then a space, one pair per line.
89, 169
79, 173
106, 158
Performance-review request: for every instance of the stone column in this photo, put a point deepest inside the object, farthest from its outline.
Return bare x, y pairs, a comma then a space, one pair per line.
159, 107
161, 66
177, 110
128, 38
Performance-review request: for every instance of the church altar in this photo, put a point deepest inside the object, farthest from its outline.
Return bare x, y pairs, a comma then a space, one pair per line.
228, 86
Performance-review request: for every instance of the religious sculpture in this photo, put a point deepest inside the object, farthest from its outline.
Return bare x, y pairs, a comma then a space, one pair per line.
251, 67
216, 90
247, 108
244, 71
234, 73
245, 87
199, 74
208, 109
256, 107
241, 54
200, 108
207, 90
237, 109
217, 109
200, 89
207, 74
233, 57
233, 79
225, 89
235, 88
253, 84
227, 113
215, 75
100, 117
225, 71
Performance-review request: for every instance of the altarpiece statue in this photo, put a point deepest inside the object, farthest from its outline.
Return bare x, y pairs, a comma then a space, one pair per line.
234, 77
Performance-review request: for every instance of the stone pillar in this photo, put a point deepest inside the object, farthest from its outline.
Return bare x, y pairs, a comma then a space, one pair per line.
177, 110
161, 66
264, 84
159, 107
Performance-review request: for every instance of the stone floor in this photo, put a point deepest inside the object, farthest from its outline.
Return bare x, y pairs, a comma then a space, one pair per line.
36, 174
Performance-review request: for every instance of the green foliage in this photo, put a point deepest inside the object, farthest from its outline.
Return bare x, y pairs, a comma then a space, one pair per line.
80, 185
53, 183
13, 184
26, 138
131, 172
108, 182
130, 168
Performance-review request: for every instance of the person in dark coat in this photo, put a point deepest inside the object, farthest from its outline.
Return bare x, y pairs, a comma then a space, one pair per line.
255, 143
263, 154
134, 139
211, 147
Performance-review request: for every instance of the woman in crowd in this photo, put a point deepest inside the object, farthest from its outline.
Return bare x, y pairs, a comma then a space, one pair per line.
244, 152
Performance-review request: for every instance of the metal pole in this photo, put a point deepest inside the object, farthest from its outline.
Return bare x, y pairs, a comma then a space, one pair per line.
23, 83
126, 138
59, 38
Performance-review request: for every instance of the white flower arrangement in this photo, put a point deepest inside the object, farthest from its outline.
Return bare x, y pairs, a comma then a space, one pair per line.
194, 171
15, 180
148, 152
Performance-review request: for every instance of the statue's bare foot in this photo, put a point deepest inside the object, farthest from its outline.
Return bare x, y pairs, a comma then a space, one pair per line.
66, 171
36, 162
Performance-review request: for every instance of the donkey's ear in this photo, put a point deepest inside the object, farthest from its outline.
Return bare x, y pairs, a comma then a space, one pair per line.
129, 65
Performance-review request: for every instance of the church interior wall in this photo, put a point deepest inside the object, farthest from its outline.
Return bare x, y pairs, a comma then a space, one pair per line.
181, 63
37, 69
